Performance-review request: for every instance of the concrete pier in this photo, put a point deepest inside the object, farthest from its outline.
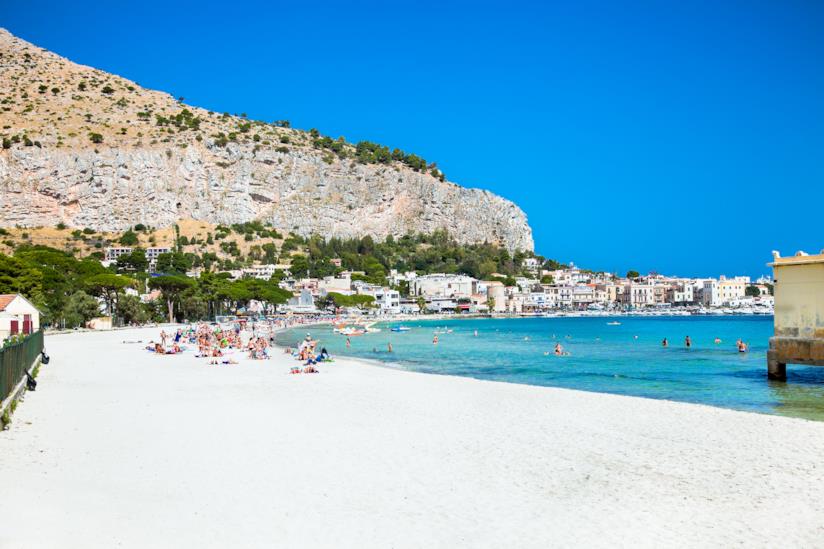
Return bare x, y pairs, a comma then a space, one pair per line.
793, 350
776, 370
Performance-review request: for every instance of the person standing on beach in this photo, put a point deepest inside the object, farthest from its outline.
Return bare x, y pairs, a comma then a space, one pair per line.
688, 342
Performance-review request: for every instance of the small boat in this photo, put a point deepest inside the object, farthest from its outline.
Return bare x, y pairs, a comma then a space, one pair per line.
399, 329
613, 323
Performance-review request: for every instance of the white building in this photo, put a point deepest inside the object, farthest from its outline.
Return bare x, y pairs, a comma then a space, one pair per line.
17, 316
724, 290
639, 295
304, 303
387, 300
395, 278
112, 254
532, 265
681, 293
261, 272
341, 284
152, 253
539, 301
582, 297
560, 296
570, 277
443, 285
441, 304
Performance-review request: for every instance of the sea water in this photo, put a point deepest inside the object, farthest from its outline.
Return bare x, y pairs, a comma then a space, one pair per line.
626, 359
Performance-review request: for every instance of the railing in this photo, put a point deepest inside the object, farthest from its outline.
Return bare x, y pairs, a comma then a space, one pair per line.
16, 359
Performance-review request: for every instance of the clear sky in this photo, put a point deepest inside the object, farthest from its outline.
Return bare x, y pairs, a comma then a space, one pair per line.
681, 137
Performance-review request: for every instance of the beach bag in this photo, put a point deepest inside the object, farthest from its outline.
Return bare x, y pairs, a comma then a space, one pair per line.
44, 358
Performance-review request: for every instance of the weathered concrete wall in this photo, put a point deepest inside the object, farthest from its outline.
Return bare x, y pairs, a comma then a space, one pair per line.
799, 301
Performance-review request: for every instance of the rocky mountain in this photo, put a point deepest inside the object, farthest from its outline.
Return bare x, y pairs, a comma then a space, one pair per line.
92, 149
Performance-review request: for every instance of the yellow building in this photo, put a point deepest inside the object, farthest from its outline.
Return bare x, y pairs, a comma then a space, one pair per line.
799, 313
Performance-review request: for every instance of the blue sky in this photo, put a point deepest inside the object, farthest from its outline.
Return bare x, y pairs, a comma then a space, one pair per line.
685, 138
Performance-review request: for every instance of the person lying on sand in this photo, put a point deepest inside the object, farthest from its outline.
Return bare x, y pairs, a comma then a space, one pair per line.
215, 354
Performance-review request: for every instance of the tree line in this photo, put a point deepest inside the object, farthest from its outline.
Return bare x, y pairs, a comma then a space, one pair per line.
69, 291
437, 252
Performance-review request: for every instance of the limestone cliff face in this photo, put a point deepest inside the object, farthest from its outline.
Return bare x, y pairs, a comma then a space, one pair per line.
92, 149
113, 189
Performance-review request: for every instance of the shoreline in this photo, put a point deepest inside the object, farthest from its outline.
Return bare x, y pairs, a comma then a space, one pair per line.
452, 316
418, 365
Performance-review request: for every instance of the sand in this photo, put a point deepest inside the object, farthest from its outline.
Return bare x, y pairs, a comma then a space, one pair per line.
122, 448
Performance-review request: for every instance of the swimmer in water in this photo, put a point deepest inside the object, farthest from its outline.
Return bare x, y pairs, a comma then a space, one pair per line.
389, 347
348, 343
558, 349
688, 342
742, 347
717, 340
476, 333
526, 338
435, 340
665, 343
634, 337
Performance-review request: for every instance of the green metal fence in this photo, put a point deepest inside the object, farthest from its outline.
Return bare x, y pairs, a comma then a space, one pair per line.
16, 359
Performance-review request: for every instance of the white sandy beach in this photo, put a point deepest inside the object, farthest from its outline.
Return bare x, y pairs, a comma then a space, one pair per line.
122, 448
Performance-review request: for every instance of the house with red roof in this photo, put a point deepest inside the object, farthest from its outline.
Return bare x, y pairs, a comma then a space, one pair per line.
17, 316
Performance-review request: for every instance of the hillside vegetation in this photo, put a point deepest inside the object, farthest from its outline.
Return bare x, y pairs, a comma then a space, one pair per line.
48, 101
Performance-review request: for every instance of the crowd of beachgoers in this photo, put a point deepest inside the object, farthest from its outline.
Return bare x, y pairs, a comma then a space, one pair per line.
229, 342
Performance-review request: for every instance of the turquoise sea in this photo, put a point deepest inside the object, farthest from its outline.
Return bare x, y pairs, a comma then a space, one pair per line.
625, 359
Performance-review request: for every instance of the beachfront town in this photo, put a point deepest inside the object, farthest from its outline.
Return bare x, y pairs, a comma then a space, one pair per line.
565, 290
